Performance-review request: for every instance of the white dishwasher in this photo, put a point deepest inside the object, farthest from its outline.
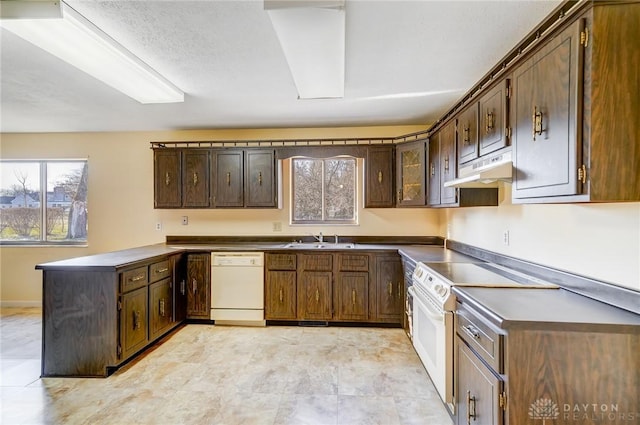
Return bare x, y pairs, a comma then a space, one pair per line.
237, 288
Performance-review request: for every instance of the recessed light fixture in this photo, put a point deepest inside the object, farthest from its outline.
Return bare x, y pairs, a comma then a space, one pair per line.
60, 30
312, 36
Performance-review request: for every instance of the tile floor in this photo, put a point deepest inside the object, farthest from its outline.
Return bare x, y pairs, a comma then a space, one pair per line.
205, 374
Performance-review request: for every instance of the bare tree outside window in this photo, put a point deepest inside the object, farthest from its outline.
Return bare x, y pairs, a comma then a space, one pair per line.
324, 190
43, 202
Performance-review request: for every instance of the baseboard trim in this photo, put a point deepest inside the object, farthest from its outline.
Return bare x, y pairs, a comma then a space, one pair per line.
20, 304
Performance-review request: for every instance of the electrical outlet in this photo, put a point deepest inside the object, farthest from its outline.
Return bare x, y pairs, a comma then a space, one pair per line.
505, 237
159, 225
185, 220
277, 226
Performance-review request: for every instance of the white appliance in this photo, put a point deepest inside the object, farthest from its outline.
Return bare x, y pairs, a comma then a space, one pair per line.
432, 334
237, 288
434, 306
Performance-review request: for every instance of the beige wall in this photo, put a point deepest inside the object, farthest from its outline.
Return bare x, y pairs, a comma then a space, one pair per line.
601, 241
121, 213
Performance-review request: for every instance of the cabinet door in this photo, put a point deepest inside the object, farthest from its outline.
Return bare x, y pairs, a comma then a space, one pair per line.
195, 178
167, 178
389, 289
314, 295
229, 179
281, 295
260, 179
547, 118
160, 305
378, 189
199, 286
411, 186
352, 295
468, 134
493, 120
478, 390
448, 195
179, 266
133, 321
434, 169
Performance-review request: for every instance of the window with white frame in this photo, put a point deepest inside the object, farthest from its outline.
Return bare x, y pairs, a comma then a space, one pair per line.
43, 202
323, 191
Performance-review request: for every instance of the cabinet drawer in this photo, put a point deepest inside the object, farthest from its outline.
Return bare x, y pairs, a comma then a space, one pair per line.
159, 270
281, 261
132, 279
481, 337
317, 261
353, 262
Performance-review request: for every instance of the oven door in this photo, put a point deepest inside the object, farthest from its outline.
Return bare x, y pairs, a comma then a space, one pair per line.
433, 341
408, 311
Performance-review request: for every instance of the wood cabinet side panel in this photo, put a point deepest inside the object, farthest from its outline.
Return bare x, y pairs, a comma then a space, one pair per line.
573, 369
613, 105
79, 323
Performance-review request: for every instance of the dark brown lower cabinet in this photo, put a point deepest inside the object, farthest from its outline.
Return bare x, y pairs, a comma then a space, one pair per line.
334, 286
133, 321
352, 291
97, 317
389, 290
160, 307
280, 293
315, 295
199, 286
479, 390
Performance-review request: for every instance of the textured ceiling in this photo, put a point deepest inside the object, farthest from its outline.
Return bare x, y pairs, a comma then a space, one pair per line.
407, 62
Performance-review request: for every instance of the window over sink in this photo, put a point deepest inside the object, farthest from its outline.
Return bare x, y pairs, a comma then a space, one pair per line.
323, 191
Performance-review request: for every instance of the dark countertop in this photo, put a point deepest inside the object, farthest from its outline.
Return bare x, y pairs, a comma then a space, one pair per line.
110, 261
120, 259
534, 308
434, 254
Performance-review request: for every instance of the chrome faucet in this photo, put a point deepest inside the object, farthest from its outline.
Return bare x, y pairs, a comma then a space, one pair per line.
319, 238
336, 236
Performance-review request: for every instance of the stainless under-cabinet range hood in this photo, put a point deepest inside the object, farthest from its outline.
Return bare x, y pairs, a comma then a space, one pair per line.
485, 171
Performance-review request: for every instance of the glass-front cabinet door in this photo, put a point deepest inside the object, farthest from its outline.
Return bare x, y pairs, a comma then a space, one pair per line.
411, 183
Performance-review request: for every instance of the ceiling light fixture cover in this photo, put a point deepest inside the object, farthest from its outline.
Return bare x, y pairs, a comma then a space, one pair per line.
78, 42
312, 37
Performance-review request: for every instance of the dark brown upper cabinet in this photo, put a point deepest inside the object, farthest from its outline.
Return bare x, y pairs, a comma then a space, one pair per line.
228, 179
433, 170
379, 177
195, 178
411, 180
494, 118
468, 134
181, 178
448, 195
576, 111
546, 118
260, 179
245, 178
167, 178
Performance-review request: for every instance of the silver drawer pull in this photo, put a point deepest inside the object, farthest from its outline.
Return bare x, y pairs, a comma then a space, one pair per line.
471, 331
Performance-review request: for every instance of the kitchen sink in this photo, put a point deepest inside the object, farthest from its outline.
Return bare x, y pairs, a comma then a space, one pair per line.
319, 245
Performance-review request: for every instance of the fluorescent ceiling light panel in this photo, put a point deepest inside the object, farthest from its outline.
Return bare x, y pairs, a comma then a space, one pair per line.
78, 42
312, 36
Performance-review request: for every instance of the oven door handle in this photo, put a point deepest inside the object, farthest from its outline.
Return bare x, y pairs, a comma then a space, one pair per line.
432, 313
